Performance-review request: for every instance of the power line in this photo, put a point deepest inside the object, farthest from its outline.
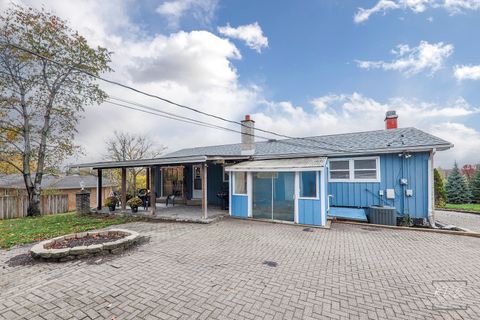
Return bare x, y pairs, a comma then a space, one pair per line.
173, 116
200, 123
168, 100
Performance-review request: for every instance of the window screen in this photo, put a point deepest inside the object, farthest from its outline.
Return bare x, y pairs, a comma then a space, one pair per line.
365, 169
351, 170
308, 184
340, 169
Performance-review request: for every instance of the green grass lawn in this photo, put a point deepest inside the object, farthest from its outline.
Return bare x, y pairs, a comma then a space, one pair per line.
31, 229
468, 207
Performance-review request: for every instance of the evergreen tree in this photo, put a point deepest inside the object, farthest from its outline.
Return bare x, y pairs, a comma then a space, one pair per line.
457, 188
440, 193
475, 187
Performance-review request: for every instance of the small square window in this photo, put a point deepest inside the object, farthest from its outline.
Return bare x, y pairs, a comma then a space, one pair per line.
308, 184
240, 185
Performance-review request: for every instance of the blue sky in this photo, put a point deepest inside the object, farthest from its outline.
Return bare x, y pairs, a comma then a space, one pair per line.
329, 66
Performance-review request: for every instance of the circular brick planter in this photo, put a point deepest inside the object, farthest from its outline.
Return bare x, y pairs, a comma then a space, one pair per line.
44, 251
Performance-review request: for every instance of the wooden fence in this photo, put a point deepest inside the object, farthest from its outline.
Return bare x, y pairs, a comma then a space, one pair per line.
16, 206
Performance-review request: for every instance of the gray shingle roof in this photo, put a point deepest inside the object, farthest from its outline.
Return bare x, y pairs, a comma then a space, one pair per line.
54, 182
328, 145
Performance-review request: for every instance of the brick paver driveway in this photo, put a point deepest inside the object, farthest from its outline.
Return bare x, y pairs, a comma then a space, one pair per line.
470, 221
217, 271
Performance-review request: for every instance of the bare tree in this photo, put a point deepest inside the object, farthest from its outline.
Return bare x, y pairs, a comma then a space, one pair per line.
41, 101
126, 146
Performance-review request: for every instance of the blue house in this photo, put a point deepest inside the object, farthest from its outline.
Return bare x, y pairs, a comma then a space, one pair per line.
303, 180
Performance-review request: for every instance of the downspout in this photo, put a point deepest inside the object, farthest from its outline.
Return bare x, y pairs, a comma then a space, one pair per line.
431, 191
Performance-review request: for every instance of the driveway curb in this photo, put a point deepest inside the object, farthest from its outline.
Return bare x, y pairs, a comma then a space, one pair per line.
457, 233
456, 210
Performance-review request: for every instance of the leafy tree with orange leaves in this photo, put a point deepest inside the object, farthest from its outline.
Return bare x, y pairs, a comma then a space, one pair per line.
42, 101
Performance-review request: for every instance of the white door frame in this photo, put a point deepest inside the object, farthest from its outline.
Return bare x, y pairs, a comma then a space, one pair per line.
196, 193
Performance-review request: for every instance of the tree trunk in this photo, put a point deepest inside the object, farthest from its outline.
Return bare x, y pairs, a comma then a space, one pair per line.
34, 202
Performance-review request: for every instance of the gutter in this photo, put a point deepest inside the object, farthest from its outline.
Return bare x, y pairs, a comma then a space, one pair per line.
362, 153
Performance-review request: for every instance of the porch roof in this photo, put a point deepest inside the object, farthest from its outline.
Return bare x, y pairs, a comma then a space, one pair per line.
163, 161
296, 164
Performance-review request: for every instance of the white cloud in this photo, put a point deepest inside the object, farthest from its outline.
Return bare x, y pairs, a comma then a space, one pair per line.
467, 72
416, 6
143, 61
252, 34
426, 57
178, 66
340, 113
465, 139
175, 10
363, 15
457, 6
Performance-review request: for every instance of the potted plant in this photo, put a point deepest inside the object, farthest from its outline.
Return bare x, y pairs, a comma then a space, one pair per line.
134, 203
111, 203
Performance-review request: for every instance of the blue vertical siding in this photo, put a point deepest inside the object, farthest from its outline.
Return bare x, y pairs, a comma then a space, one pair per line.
392, 169
239, 206
309, 212
214, 182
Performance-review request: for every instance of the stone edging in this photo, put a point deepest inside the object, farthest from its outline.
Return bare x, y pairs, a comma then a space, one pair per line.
457, 233
39, 251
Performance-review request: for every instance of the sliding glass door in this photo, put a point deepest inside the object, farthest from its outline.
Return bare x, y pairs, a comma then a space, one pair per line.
273, 195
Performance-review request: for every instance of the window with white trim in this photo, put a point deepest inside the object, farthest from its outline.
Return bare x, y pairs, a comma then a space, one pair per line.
308, 184
240, 183
355, 170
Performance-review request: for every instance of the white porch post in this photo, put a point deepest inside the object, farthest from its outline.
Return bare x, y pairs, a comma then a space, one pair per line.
230, 177
323, 197
431, 190
204, 191
296, 195
250, 193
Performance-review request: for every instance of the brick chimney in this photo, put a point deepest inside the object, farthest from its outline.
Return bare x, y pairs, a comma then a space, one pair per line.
391, 120
248, 136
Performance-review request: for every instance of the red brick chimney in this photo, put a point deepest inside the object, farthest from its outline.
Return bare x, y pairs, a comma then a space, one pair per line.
391, 120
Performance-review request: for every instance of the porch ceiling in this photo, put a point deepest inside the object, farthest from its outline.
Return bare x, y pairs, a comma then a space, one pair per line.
296, 164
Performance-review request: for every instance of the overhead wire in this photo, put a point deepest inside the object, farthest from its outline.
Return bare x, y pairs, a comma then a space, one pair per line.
325, 147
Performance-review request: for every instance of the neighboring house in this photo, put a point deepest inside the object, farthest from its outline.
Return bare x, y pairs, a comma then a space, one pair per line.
302, 180
13, 185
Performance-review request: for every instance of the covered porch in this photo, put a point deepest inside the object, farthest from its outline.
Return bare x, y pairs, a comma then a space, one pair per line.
181, 188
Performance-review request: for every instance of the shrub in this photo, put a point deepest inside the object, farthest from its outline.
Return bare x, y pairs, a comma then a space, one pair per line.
440, 193
135, 202
111, 201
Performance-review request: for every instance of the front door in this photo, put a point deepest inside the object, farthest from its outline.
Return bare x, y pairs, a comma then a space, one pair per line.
274, 196
197, 182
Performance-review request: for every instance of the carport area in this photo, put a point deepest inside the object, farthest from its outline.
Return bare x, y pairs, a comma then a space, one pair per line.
184, 188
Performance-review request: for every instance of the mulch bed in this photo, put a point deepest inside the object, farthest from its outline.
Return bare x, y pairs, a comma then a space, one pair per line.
85, 241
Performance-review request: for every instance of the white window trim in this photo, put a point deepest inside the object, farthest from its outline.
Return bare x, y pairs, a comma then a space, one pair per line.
317, 182
352, 170
235, 189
